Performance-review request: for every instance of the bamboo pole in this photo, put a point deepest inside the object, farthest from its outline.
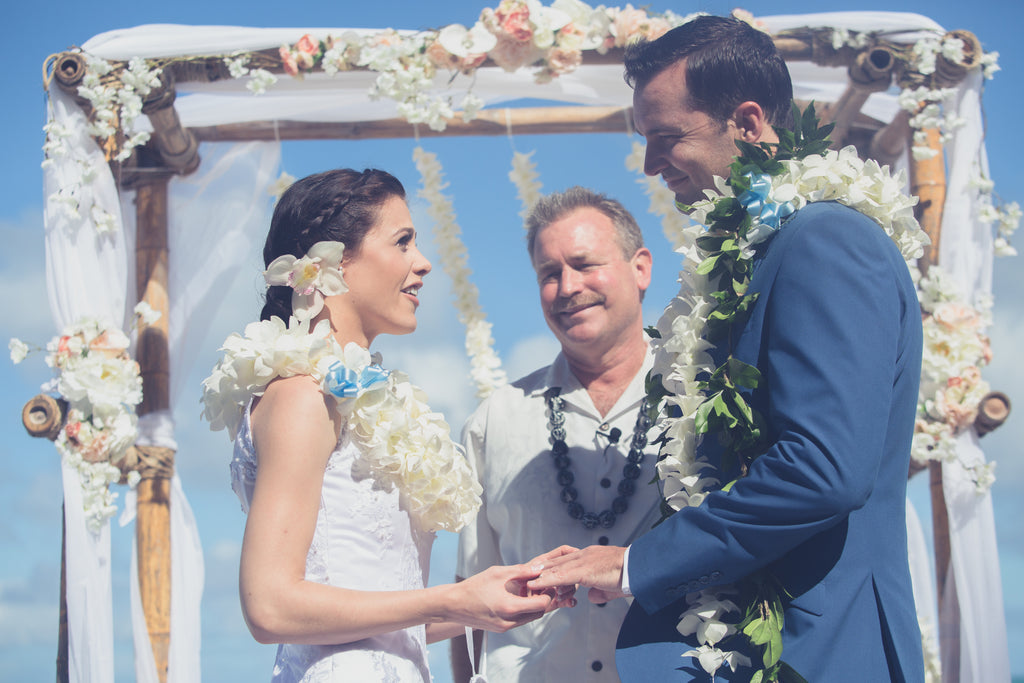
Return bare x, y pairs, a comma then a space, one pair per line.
928, 182
489, 122
525, 121
178, 147
63, 674
152, 526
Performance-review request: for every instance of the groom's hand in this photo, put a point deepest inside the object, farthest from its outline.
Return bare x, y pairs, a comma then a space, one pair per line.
561, 595
596, 566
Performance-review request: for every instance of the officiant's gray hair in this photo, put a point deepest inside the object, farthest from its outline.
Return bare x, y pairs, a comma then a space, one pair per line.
558, 205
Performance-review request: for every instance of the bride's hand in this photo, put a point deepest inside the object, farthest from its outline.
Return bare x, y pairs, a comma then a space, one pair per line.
497, 599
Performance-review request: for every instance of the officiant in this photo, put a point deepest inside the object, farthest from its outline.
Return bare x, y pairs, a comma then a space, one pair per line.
562, 453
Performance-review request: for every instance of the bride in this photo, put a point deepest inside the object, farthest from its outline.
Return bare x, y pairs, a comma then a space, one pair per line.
344, 471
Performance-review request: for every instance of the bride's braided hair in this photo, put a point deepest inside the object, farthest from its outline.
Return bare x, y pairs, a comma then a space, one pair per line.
340, 206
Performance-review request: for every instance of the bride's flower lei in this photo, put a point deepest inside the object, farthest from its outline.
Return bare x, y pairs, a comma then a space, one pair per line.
403, 443
767, 184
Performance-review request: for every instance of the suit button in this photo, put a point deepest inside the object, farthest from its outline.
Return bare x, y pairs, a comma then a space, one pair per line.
596, 665
704, 579
716, 575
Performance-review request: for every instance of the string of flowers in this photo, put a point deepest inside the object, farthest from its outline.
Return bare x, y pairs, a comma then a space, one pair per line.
526, 179
661, 202
115, 97
1004, 216
516, 34
766, 184
259, 78
485, 365
404, 444
99, 380
955, 350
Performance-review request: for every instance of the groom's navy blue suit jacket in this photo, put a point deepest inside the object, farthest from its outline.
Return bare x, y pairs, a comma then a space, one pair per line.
836, 334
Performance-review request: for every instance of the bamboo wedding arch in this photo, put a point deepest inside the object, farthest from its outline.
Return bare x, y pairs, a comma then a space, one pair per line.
857, 74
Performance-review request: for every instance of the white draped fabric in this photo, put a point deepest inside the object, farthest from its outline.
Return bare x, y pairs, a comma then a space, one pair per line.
216, 214
86, 276
224, 208
965, 252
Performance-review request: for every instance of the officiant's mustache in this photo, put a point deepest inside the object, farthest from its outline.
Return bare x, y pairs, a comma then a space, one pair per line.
577, 302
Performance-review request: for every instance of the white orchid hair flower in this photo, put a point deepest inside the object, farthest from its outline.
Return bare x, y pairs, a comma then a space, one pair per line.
311, 278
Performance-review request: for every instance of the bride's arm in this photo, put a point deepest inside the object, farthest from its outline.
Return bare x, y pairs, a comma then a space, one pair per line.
295, 430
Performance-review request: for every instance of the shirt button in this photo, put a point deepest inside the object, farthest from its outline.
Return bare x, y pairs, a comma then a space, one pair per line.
596, 665
603, 540
606, 483
603, 427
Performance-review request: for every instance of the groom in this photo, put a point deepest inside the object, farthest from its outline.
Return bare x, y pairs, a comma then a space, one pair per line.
836, 335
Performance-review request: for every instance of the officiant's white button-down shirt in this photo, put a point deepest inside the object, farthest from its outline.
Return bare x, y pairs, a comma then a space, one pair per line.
509, 446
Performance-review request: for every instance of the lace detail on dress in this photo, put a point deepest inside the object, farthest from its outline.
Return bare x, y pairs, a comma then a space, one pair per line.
243, 463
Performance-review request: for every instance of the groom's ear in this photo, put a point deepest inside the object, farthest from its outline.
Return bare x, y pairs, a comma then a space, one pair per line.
749, 119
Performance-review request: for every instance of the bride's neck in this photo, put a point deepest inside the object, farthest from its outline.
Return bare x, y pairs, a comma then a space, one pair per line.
346, 326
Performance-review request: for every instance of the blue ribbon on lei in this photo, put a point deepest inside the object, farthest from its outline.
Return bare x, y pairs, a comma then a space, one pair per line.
345, 383
755, 201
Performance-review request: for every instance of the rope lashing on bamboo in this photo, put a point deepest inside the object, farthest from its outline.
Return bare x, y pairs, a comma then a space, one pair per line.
151, 462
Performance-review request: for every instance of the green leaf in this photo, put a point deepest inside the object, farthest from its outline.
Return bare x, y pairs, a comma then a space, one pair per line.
758, 631
700, 419
722, 410
743, 374
652, 332
773, 651
707, 265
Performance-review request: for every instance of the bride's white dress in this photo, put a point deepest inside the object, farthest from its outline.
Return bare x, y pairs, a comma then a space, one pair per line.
364, 540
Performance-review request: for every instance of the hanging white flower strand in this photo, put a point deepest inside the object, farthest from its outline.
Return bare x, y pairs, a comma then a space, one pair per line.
485, 365
525, 177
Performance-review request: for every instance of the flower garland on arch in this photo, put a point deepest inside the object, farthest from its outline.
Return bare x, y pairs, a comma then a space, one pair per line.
765, 185
516, 34
100, 381
404, 444
955, 350
485, 365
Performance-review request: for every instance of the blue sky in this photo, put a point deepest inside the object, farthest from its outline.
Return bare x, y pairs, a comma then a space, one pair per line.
30, 494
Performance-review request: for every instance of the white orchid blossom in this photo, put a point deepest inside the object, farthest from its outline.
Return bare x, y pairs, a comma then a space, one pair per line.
19, 350
311, 277
463, 42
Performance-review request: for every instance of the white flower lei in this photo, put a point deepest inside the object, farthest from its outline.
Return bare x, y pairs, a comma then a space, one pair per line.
681, 352
485, 365
404, 444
